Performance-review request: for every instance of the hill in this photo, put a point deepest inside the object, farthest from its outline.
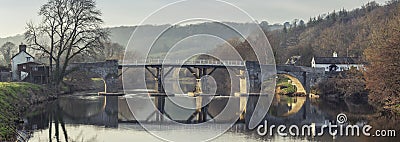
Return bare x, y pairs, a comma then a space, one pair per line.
122, 34
346, 32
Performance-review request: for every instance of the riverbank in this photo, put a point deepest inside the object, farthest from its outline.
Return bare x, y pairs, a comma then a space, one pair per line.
351, 85
15, 97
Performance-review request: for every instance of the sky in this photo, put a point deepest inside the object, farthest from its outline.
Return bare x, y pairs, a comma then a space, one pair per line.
15, 14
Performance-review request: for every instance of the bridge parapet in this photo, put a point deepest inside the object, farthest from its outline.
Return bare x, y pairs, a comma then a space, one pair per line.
184, 62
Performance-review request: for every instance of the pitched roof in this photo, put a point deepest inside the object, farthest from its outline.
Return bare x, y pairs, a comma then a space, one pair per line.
337, 60
20, 52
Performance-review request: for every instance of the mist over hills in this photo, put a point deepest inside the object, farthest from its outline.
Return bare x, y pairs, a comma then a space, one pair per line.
17, 39
171, 34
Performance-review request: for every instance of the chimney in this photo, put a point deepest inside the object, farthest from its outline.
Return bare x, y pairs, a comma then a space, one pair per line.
22, 47
334, 54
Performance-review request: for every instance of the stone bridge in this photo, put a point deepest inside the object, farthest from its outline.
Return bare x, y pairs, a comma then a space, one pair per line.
307, 76
108, 71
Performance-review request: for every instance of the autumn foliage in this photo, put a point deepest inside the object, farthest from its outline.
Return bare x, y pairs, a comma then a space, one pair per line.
383, 74
371, 32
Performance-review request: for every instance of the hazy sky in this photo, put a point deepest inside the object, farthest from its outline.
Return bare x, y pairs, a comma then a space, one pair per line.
16, 13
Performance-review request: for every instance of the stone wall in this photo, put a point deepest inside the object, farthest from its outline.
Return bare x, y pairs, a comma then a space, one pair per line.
107, 70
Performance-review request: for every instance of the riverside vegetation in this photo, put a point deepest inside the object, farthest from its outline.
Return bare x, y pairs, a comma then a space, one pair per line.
15, 97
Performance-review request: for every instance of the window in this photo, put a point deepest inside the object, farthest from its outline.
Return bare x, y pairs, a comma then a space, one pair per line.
28, 59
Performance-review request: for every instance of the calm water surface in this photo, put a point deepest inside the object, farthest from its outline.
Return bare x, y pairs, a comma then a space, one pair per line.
95, 118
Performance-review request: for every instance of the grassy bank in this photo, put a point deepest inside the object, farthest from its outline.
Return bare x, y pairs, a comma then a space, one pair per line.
14, 98
284, 86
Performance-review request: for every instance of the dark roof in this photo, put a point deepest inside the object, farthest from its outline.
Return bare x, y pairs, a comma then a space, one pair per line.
35, 63
31, 63
20, 52
337, 60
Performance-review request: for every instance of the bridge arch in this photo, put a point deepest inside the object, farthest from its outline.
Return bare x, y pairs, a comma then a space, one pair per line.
107, 71
296, 102
295, 81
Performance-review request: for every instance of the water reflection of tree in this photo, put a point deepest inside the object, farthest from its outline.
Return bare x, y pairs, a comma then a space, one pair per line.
56, 117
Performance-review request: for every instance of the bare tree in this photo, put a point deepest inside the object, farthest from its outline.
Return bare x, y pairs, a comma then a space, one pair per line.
69, 28
113, 51
8, 50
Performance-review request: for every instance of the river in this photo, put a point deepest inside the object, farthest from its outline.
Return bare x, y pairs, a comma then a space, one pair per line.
84, 117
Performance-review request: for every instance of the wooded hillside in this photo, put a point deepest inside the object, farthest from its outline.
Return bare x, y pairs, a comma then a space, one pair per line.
346, 32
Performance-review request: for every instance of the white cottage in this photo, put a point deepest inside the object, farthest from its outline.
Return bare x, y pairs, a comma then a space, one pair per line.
336, 63
21, 57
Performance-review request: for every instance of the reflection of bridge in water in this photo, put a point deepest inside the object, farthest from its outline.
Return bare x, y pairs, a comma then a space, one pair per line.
111, 110
92, 110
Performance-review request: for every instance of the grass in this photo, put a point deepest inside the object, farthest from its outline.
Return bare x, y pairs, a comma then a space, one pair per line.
17, 88
96, 79
11, 94
282, 80
287, 88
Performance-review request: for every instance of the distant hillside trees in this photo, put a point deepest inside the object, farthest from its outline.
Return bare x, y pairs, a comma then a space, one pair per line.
112, 51
8, 50
109, 51
69, 28
345, 32
371, 32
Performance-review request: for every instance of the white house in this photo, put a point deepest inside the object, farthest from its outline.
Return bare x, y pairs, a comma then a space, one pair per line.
21, 57
336, 63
